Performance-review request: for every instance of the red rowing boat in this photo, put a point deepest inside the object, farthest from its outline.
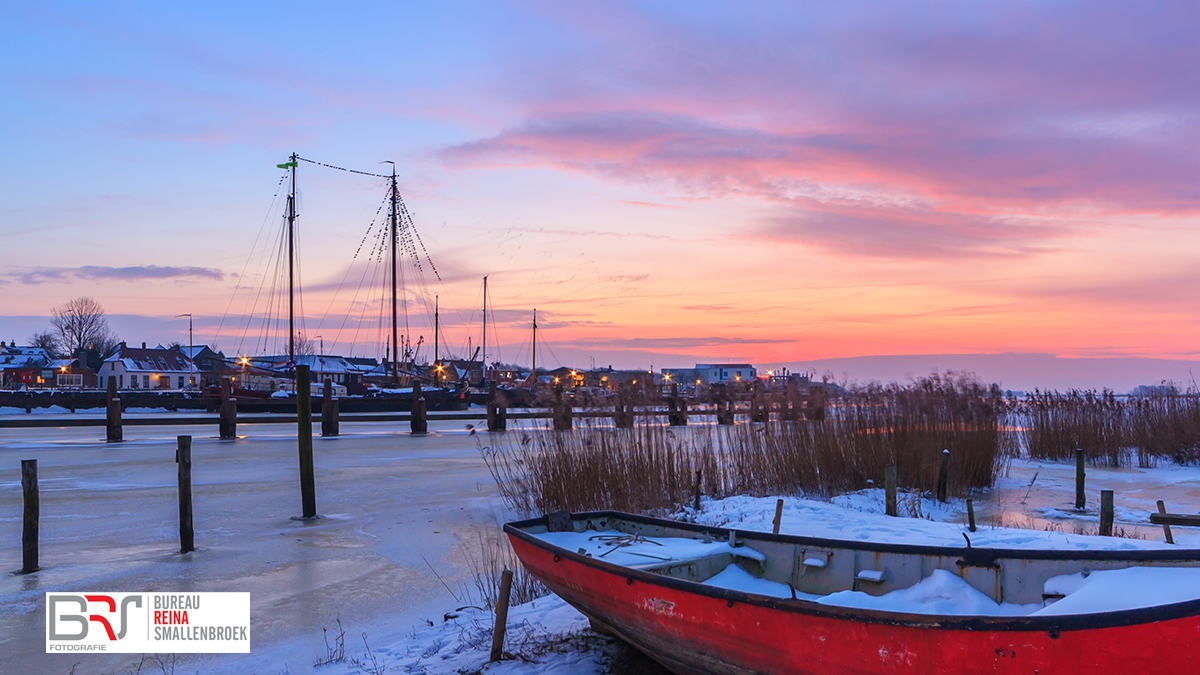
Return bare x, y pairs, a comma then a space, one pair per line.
661, 600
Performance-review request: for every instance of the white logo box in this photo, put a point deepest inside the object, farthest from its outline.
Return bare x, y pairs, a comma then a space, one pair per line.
151, 623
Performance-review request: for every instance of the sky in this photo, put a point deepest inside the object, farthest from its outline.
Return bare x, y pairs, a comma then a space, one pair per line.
665, 183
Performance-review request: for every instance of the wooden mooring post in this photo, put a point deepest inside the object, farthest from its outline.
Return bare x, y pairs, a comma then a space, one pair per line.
308, 488
183, 456
678, 408
501, 616
1080, 497
971, 515
889, 490
329, 411
943, 476
33, 513
562, 410
778, 516
622, 410
228, 425
696, 505
493, 408
113, 431
1106, 513
418, 422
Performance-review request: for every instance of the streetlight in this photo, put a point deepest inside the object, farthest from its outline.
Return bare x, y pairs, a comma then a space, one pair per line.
191, 352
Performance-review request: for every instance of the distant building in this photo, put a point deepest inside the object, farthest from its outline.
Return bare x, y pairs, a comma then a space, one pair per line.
21, 366
706, 375
148, 369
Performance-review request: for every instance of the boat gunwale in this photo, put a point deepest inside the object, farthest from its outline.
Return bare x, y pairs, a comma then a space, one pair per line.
1052, 623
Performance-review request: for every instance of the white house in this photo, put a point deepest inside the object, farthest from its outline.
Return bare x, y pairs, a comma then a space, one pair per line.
148, 369
708, 374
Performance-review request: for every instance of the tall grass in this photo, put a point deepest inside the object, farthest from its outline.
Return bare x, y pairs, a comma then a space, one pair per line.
1112, 430
651, 468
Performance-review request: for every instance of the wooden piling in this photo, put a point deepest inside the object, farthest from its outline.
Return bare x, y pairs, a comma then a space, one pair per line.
1106, 513
493, 409
778, 516
183, 456
1162, 508
228, 425
970, 515
696, 506
889, 490
329, 411
562, 410
677, 414
308, 488
114, 433
943, 476
623, 410
418, 421
1080, 498
501, 616
33, 513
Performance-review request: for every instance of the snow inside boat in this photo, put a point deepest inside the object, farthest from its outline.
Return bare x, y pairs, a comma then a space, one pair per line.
703, 599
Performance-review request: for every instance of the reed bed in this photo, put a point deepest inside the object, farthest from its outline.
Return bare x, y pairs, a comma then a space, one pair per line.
1112, 430
651, 468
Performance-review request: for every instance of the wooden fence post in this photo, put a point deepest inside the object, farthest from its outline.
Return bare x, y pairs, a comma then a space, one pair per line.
889, 490
418, 421
1106, 513
943, 476
33, 513
970, 515
1162, 508
183, 456
501, 616
308, 488
114, 433
778, 516
228, 426
1080, 498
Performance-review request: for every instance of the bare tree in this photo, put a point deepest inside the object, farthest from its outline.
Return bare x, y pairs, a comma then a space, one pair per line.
46, 340
81, 324
305, 346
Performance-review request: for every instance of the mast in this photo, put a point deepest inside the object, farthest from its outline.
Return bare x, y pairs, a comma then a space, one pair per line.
435, 330
534, 371
291, 268
485, 329
392, 238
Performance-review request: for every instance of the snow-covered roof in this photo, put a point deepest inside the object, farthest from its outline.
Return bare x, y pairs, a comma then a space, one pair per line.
22, 357
151, 360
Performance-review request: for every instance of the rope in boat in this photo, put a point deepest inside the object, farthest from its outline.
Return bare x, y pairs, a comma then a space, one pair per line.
618, 541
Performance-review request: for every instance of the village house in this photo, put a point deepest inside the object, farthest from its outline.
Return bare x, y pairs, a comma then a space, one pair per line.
144, 368
705, 375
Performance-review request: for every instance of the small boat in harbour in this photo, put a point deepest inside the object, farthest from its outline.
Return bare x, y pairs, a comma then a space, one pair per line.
713, 600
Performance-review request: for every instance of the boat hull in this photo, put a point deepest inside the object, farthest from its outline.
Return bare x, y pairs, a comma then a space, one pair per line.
690, 628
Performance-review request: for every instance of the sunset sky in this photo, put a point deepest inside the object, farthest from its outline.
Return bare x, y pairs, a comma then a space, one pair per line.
665, 183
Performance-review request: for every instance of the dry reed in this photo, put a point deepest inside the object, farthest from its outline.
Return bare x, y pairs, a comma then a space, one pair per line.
651, 468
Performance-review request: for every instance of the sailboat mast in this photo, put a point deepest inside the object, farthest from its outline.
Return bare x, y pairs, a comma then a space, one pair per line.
534, 371
292, 267
393, 237
485, 329
435, 330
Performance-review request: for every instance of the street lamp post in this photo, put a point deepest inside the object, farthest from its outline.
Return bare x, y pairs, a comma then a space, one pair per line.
191, 353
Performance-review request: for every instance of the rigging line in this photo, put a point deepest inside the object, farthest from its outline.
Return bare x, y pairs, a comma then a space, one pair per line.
261, 227
267, 256
346, 317
330, 166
